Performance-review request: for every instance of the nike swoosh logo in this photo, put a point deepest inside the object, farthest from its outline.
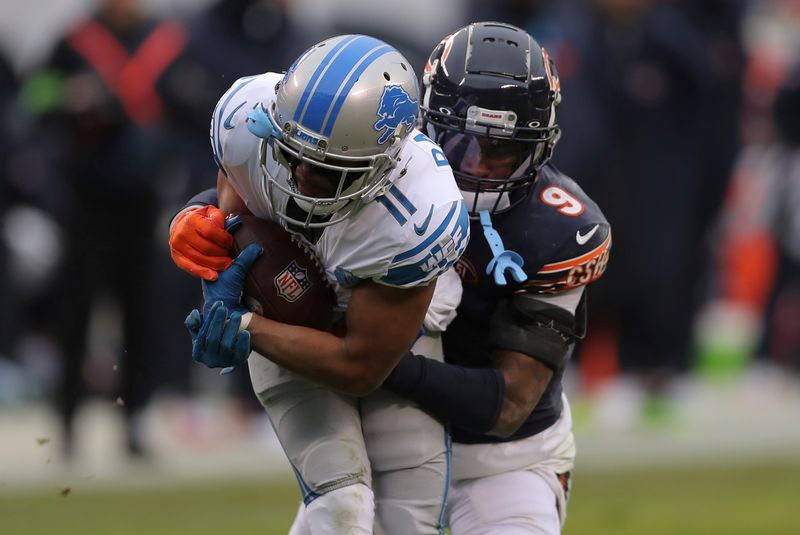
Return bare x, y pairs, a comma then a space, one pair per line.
420, 230
227, 124
582, 239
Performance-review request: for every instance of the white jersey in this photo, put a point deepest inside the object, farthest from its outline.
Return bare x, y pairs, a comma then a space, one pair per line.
406, 237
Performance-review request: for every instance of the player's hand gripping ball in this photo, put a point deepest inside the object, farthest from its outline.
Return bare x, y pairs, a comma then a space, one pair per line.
218, 340
199, 243
286, 283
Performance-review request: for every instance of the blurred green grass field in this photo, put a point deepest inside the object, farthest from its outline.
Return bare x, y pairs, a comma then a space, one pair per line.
739, 498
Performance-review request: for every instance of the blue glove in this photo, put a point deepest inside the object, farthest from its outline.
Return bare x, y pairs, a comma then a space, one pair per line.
229, 285
216, 340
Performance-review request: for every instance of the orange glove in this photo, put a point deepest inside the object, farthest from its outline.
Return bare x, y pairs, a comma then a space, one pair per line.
199, 243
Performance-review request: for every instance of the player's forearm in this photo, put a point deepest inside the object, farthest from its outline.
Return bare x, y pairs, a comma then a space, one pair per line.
526, 379
494, 401
229, 200
468, 398
320, 356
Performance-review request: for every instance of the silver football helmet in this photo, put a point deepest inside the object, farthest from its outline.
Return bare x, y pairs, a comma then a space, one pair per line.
343, 110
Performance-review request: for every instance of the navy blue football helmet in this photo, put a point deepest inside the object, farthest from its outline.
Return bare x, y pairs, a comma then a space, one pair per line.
490, 94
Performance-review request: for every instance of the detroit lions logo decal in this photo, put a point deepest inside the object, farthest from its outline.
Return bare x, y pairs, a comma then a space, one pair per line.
396, 107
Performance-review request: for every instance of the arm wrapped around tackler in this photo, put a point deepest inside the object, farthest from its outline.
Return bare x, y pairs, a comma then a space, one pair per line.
467, 398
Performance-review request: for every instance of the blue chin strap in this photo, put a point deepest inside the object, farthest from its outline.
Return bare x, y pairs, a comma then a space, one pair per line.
260, 124
503, 260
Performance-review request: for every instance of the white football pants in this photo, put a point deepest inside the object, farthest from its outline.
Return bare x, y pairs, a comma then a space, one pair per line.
513, 488
343, 448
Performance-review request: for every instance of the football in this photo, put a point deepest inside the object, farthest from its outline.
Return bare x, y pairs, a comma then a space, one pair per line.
286, 283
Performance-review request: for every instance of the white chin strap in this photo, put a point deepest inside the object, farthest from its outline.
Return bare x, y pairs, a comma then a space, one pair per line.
486, 200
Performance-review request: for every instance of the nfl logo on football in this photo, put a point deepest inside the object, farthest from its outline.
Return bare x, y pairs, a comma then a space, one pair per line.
292, 282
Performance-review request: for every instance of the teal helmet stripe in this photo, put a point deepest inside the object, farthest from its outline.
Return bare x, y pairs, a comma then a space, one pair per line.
320, 69
378, 52
333, 77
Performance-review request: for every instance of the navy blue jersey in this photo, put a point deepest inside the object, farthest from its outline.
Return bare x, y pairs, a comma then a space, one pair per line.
564, 240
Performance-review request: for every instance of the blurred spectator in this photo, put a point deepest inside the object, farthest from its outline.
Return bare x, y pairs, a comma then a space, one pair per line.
8, 89
781, 340
227, 40
786, 110
754, 303
760, 258
662, 81
109, 130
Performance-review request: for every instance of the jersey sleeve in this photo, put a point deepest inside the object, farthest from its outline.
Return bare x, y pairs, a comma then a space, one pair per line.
581, 259
440, 240
235, 148
227, 116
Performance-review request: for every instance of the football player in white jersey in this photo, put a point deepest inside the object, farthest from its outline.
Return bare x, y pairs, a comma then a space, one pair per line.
330, 150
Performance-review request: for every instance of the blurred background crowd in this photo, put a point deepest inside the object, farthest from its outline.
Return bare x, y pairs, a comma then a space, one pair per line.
680, 118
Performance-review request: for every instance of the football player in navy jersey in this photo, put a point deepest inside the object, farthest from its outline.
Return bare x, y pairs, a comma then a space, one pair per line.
489, 100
